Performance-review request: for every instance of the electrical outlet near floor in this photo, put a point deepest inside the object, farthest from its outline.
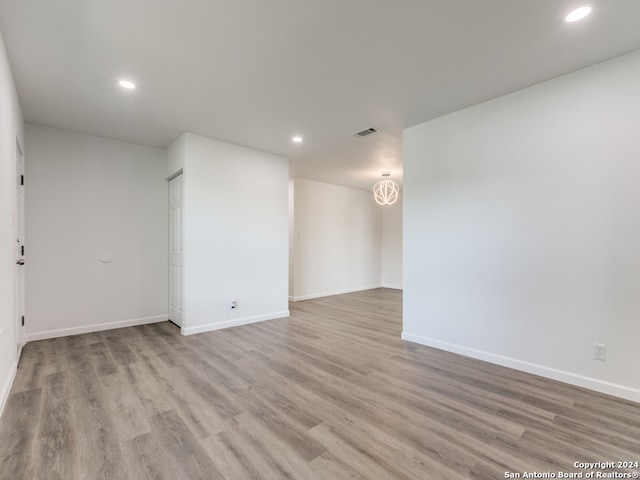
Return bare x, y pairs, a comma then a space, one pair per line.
599, 351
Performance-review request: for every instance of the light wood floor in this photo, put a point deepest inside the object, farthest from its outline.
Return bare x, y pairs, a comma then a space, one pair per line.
330, 393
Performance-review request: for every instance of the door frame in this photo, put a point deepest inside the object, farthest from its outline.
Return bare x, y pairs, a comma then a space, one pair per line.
19, 234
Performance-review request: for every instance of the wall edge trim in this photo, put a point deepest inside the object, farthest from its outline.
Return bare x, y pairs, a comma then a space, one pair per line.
334, 292
574, 379
234, 323
98, 327
6, 388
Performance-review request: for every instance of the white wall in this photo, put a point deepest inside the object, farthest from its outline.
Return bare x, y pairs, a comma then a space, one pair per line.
522, 233
337, 240
90, 197
11, 128
235, 234
392, 245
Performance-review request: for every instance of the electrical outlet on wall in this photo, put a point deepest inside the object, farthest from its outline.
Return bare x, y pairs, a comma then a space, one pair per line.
233, 305
599, 351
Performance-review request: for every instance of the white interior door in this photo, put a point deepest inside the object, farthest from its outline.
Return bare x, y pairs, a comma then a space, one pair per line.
176, 254
19, 251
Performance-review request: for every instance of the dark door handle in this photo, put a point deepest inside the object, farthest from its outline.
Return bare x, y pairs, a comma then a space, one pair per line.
20, 262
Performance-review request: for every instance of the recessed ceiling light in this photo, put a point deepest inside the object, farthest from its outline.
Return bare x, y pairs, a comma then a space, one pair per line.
578, 14
296, 139
127, 84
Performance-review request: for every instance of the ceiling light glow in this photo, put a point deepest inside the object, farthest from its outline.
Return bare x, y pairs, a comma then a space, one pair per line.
127, 84
296, 139
578, 14
386, 191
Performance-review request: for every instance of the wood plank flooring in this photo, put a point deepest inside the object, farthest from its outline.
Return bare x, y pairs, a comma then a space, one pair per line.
329, 393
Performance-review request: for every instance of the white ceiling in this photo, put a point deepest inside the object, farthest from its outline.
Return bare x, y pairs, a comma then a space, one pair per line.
257, 72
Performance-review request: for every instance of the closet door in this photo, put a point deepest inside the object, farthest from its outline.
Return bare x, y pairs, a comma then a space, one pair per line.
176, 252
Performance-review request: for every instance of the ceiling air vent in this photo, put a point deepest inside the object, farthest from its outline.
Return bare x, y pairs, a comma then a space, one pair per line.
365, 132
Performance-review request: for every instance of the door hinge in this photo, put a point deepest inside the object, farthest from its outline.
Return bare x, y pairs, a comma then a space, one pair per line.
23, 320
22, 250
21, 179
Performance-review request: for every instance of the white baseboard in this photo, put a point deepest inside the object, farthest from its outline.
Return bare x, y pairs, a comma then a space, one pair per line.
394, 287
64, 332
6, 388
233, 323
333, 292
560, 375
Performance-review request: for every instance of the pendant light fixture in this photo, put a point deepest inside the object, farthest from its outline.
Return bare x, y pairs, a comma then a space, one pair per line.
386, 191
